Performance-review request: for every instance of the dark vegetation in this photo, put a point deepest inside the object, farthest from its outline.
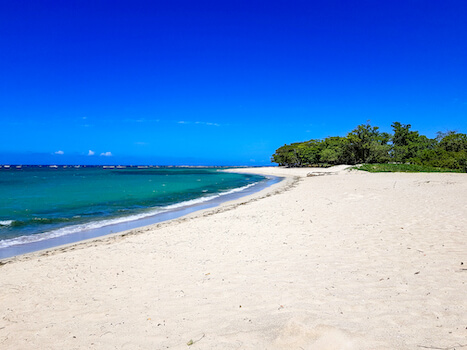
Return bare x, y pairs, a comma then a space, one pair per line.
403, 168
367, 145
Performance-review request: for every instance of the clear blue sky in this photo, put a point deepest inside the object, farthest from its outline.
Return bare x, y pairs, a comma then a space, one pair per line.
221, 82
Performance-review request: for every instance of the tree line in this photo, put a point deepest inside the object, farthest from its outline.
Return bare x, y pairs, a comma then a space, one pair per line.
366, 144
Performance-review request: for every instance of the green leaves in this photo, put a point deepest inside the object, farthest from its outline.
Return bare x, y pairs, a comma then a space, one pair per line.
366, 144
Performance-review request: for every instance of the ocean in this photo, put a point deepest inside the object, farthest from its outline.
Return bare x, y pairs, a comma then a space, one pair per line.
40, 204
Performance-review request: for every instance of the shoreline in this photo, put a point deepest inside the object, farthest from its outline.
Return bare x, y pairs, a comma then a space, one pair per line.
126, 226
348, 261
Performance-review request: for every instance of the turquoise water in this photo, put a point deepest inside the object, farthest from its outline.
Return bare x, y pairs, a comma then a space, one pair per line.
39, 203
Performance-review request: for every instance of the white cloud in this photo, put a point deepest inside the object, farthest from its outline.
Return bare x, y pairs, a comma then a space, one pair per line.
91, 153
106, 154
199, 123
60, 152
208, 123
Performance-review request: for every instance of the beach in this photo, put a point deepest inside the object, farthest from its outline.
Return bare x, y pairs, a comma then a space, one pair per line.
326, 259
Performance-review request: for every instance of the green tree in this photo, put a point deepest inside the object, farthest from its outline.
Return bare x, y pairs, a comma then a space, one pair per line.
309, 152
367, 145
333, 150
405, 142
453, 142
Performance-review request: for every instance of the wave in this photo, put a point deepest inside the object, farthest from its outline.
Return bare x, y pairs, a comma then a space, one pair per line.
206, 198
6, 222
69, 230
36, 221
102, 223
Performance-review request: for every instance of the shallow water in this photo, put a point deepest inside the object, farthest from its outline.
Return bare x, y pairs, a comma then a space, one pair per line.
42, 203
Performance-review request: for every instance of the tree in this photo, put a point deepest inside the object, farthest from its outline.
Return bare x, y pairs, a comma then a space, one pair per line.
366, 144
404, 142
333, 150
453, 142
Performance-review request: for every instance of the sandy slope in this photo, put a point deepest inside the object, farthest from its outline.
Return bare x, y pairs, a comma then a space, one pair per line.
346, 261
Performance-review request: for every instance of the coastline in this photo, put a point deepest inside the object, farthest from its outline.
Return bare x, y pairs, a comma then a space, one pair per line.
121, 225
347, 261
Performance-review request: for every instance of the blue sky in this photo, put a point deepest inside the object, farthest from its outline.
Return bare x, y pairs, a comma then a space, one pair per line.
221, 82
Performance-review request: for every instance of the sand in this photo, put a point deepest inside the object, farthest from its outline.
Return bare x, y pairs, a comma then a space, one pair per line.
350, 260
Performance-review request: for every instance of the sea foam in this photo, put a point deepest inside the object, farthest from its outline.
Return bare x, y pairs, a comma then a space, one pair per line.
6, 222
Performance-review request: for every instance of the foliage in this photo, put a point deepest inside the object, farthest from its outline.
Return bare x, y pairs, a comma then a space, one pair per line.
366, 144
406, 168
405, 143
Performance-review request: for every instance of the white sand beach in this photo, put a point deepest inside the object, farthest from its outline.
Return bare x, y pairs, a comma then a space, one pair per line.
349, 260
